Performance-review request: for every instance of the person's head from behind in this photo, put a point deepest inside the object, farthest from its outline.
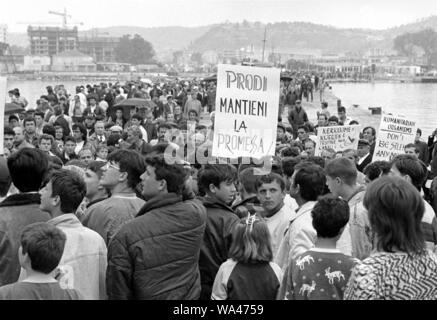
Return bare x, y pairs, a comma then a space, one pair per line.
251, 241
28, 168
341, 176
42, 246
63, 193
271, 192
409, 168
411, 149
307, 182
351, 154
161, 178
247, 180
123, 171
217, 181
395, 210
330, 216
375, 170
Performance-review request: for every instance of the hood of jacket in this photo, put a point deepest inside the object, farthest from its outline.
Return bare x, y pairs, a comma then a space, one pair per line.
21, 199
159, 201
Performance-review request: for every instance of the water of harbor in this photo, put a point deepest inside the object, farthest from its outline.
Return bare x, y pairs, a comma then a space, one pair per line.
414, 100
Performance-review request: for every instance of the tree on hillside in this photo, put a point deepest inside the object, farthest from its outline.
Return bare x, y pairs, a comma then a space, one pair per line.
134, 50
424, 39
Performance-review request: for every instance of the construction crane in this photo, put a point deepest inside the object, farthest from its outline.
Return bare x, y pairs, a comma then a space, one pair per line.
64, 16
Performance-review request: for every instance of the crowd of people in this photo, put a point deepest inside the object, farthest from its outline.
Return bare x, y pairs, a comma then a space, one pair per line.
92, 207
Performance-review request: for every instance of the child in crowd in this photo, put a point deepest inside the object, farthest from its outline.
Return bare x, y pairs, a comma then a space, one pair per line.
42, 246
322, 272
217, 183
249, 274
101, 152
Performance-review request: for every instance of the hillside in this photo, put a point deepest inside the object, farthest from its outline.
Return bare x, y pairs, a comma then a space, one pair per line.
280, 35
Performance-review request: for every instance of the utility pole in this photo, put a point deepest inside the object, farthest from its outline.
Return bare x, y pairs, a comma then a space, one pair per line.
264, 42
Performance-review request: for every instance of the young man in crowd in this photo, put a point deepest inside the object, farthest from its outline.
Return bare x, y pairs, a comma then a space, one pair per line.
68, 152
42, 246
20, 140
30, 135
422, 147
8, 139
271, 192
27, 168
121, 177
217, 182
297, 116
306, 185
83, 263
369, 134
155, 256
341, 179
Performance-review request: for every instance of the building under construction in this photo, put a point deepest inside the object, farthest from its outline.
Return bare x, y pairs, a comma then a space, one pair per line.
49, 41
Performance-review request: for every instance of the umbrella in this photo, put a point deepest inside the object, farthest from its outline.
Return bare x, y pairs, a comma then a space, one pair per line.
11, 108
211, 78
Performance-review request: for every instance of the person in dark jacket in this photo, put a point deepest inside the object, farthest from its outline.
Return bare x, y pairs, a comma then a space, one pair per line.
217, 182
155, 255
28, 168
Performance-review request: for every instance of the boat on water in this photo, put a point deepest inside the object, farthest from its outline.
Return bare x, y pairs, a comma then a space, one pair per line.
430, 77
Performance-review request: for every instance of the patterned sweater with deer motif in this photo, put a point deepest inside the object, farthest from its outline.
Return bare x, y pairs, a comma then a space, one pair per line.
317, 274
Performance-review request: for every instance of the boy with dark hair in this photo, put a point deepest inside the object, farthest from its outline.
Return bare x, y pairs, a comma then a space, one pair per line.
156, 255
8, 139
27, 168
376, 169
217, 182
322, 272
121, 177
83, 263
42, 246
69, 147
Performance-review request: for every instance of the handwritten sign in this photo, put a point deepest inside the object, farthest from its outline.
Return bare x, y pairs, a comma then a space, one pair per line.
395, 133
3, 81
246, 112
339, 138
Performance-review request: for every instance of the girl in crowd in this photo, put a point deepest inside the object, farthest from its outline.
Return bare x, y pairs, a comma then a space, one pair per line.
401, 268
249, 274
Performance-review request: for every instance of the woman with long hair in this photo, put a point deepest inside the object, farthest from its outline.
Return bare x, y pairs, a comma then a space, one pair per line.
249, 274
401, 268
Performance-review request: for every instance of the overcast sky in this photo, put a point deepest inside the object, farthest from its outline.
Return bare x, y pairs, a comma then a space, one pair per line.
375, 14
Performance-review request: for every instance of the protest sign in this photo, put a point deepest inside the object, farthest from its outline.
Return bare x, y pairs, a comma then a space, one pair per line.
394, 134
2, 110
246, 112
339, 138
